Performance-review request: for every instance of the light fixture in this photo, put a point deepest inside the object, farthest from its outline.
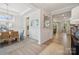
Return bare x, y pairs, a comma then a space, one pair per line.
7, 15
7, 10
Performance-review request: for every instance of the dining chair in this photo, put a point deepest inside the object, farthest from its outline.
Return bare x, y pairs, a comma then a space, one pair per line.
4, 36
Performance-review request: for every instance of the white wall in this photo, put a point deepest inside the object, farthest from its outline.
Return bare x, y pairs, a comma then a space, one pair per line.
34, 32
46, 33
75, 15
39, 33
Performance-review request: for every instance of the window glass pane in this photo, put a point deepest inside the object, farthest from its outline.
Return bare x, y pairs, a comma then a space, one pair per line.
6, 17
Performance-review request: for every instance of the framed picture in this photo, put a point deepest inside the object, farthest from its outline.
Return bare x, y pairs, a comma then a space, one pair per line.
35, 23
46, 22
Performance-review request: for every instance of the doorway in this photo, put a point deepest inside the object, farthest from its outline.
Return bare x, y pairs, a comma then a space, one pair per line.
56, 27
27, 26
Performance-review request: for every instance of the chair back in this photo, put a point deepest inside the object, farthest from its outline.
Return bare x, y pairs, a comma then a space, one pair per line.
5, 35
14, 34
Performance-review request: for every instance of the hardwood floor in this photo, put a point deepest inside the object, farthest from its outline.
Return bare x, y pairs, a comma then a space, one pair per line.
25, 47
55, 48
30, 47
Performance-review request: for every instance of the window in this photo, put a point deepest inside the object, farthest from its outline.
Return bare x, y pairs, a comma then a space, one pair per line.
6, 17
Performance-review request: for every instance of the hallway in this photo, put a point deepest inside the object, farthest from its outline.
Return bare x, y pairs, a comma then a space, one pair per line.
58, 45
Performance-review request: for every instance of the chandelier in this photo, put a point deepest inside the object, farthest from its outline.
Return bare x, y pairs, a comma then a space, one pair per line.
8, 16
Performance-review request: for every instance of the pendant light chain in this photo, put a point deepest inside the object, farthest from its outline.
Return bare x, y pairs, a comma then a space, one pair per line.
7, 9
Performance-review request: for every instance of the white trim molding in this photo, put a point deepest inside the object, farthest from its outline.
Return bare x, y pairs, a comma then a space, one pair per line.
66, 9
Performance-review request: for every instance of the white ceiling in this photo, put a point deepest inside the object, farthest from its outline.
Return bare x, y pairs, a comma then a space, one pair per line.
19, 8
54, 6
22, 8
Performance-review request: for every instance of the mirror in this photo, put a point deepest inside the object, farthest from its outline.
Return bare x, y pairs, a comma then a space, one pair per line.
46, 22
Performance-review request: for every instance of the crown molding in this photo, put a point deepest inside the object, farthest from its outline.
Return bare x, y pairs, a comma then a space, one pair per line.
31, 8
10, 12
62, 10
